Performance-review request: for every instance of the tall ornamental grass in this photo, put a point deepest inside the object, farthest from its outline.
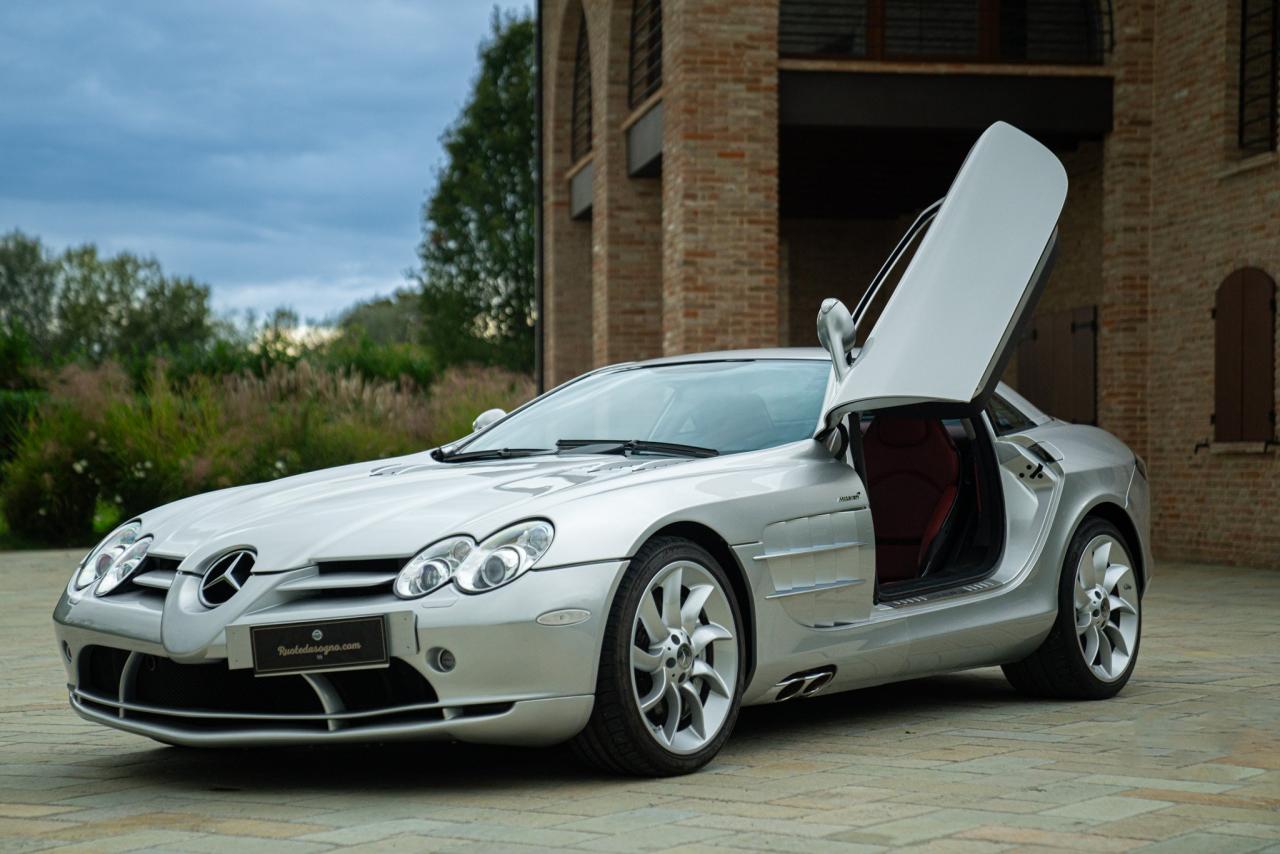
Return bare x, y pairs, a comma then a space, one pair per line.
95, 441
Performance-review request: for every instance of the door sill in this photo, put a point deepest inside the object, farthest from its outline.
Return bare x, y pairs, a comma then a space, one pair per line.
915, 595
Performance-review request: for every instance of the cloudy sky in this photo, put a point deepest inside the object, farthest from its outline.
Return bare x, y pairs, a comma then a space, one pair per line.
278, 150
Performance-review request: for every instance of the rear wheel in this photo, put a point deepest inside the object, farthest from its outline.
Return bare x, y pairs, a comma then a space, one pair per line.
669, 683
1093, 646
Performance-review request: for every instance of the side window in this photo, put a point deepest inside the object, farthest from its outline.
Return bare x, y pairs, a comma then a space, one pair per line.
1244, 317
1005, 418
1259, 30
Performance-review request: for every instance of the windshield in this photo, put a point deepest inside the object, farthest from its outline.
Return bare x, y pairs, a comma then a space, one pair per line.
725, 406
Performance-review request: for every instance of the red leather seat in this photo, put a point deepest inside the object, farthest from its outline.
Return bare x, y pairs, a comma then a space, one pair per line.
913, 473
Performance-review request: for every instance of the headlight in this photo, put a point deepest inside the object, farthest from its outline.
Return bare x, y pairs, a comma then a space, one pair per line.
113, 560
476, 568
433, 567
123, 567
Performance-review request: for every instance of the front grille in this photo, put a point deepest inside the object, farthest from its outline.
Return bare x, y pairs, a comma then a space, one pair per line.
212, 697
153, 577
343, 579
383, 564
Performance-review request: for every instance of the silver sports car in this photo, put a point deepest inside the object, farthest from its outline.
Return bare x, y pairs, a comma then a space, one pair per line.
627, 560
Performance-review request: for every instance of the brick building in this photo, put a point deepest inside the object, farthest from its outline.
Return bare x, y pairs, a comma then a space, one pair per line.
711, 170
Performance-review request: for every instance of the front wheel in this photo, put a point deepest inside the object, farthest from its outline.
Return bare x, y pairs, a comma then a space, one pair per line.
669, 684
1093, 646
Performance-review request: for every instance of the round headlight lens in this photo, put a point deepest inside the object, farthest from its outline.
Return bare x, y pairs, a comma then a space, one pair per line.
123, 567
498, 567
99, 561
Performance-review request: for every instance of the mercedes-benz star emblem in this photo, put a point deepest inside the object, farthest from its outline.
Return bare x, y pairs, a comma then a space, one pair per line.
225, 576
317, 636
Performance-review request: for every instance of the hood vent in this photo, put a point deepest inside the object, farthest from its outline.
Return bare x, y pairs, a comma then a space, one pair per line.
397, 468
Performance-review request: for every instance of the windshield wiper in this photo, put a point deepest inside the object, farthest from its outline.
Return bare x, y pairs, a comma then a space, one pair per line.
631, 446
489, 454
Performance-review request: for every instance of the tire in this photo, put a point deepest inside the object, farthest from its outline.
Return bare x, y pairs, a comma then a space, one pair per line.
698, 666
1069, 665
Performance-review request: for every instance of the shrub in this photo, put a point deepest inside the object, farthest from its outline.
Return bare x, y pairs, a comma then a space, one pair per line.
16, 411
96, 441
462, 393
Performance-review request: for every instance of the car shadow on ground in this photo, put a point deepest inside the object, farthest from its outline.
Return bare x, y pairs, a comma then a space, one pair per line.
459, 768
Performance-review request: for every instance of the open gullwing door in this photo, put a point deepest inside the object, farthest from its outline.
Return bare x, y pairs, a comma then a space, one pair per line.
945, 333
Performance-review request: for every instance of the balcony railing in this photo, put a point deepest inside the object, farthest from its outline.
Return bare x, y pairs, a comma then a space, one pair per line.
1067, 32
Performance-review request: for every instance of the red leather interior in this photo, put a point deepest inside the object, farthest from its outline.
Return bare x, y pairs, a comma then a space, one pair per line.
913, 474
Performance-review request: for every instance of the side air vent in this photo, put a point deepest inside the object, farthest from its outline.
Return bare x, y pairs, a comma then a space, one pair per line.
225, 576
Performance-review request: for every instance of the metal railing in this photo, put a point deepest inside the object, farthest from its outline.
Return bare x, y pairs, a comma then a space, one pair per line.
1070, 32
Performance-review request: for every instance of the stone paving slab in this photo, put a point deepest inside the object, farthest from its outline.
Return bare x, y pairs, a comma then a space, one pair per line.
1186, 759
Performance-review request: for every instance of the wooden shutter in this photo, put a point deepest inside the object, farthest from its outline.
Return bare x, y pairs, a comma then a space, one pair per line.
1057, 364
1244, 358
1084, 365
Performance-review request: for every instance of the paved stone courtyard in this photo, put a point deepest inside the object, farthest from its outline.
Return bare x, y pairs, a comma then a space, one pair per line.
1187, 758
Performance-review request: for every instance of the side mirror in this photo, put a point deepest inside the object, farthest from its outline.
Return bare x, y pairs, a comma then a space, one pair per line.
837, 333
484, 419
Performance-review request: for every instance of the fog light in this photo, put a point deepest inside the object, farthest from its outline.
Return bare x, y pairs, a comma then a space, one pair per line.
441, 659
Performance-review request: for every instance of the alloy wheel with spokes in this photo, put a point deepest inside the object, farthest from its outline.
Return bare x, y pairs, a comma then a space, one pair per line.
671, 665
1106, 607
684, 656
1091, 650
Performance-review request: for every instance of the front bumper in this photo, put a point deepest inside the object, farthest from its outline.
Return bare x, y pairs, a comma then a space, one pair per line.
515, 681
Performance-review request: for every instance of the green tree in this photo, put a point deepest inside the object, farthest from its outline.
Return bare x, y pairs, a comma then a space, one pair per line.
386, 320
126, 308
81, 305
28, 286
477, 251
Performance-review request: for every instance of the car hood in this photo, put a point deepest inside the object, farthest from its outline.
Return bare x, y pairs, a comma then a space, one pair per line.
391, 508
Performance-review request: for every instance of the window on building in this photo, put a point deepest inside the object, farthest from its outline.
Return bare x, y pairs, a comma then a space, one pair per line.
580, 126
1057, 364
1244, 315
646, 50
1259, 74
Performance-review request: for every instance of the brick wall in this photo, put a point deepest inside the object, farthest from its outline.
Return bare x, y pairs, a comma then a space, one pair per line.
1126, 213
830, 258
626, 253
567, 273
1211, 213
720, 174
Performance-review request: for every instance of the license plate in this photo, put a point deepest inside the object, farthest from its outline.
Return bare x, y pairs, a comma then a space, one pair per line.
319, 645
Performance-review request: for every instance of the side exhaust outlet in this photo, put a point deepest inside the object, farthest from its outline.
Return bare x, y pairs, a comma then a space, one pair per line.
807, 683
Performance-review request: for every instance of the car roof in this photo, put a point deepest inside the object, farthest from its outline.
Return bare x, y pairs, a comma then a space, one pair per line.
798, 353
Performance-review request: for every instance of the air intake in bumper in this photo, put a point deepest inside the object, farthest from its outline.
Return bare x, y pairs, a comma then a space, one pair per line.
148, 689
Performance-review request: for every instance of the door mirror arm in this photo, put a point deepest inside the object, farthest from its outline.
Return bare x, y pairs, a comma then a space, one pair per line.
837, 333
